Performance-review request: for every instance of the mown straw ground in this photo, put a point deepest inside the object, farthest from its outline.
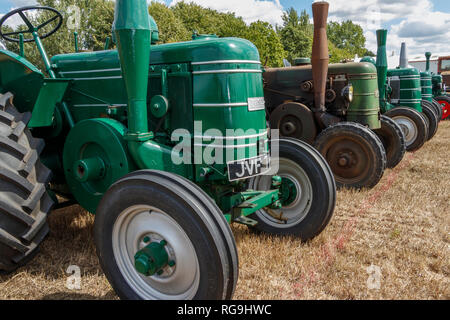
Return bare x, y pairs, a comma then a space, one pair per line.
391, 242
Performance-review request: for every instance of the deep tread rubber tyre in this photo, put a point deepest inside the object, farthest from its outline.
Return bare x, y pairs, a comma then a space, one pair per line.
193, 211
438, 108
311, 211
360, 148
444, 101
24, 201
413, 125
432, 118
391, 135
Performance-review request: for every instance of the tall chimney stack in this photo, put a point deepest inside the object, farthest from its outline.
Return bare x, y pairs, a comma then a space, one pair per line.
403, 56
320, 59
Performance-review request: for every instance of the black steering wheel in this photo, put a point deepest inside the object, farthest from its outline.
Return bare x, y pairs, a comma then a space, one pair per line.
30, 26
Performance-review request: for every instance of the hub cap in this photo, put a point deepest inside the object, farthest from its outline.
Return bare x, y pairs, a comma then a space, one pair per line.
140, 226
409, 129
296, 195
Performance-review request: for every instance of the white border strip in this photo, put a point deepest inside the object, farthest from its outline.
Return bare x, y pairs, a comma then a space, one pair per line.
231, 138
220, 105
227, 71
91, 71
225, 62
96, 78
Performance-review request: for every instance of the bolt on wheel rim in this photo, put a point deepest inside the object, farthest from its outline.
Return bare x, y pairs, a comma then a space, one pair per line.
409, 129
297, 207
132, 230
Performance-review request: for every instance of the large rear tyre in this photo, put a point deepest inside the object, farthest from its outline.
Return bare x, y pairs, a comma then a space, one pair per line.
444, 101
148, 207
24, 201
413, 125
391, 135
308, 193
431, 117
355, 154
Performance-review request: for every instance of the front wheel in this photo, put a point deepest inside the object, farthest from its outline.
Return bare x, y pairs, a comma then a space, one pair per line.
431, 118
308, 192
438, 109
413, 125
391, 135
160, 237
355, 154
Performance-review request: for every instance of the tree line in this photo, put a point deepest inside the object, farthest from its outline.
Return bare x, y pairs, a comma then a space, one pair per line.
290, 40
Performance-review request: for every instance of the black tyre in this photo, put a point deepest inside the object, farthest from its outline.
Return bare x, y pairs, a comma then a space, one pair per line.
355, 154
413, 125
150, 206
391, 135
24, 202
308, 193
431, 117
438, 109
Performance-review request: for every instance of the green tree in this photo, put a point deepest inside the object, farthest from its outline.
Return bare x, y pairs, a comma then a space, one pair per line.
348, 36
268, 43
171, 28
208, 21
94, 26
296, 34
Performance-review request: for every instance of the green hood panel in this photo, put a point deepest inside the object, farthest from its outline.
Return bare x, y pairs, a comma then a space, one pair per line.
202, 50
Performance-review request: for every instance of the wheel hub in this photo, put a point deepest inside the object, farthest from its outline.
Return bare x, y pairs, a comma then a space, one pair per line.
153, 258
348, 158
289, 191
409, 129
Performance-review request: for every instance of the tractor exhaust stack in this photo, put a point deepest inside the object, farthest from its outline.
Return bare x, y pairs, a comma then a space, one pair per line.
382, 67
428, 56
133, 32
403, 56
320, 60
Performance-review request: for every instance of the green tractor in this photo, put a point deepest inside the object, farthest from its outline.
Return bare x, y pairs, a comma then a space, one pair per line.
401, 97
335, 108
166, 144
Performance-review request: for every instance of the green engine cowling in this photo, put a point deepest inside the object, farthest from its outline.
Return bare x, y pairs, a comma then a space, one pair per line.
405, 87
438, 85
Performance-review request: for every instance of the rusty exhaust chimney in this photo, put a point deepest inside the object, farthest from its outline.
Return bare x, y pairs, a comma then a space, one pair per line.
320, 60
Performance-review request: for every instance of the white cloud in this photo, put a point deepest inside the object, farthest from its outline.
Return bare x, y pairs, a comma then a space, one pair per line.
249, 10
412, 21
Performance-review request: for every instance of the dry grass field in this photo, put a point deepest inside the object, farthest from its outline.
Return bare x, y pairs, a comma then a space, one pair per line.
391, 242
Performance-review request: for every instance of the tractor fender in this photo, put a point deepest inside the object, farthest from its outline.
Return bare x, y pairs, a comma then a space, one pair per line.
21, 78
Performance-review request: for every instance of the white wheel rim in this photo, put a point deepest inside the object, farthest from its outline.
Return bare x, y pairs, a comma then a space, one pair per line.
409, 129
297, 210
180, 282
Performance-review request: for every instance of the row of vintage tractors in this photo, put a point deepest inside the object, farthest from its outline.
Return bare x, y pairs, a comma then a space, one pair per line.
168, 145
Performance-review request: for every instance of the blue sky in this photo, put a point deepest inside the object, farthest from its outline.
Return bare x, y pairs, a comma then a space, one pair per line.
422, 24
